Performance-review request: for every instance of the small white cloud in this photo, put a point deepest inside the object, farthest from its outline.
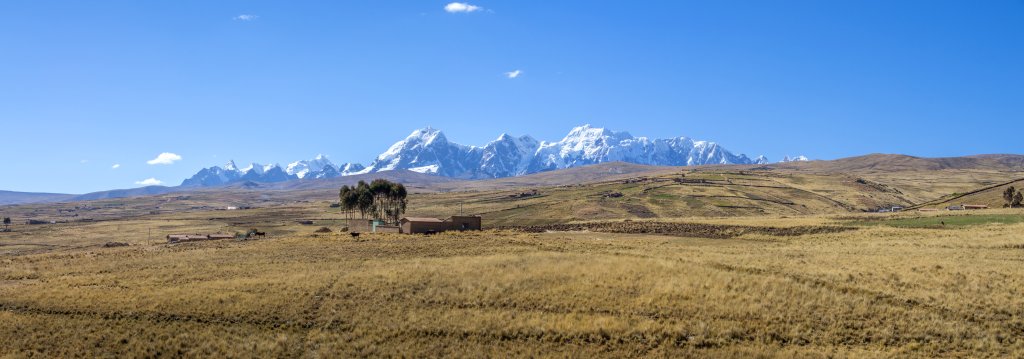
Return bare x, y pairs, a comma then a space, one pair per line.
165, 158
150, 182
116, 166
246, 17
83, 161
513, 74
457, 7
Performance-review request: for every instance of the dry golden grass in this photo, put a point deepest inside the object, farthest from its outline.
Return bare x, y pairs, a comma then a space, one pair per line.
877, 291
895, 286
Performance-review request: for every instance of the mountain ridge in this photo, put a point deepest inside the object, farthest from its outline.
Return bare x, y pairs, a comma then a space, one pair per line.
857, 164
429, 151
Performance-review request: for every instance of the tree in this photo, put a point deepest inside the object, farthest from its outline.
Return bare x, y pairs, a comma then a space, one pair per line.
1008, 195
1017, 199
348, 200
380, 199
7, 222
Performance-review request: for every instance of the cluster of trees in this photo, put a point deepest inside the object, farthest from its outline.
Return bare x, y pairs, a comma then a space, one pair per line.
380, 199
1013, 197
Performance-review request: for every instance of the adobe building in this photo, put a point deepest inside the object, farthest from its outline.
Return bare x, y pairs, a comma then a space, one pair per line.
464, 223
422, 225
371, 226
412, 225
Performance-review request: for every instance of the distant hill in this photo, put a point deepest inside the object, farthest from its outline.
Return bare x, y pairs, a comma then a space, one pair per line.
10, 197
569, 176
132, 192
408, 178
991, 196
891, 162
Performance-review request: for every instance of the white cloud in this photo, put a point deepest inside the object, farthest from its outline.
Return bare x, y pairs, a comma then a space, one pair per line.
83, 161
246, 17
513, 74
457, 7
116, 166
165, 158
150, 182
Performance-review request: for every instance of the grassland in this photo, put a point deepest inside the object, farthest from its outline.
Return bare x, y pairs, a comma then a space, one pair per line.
872, 291
947, 221
733, 263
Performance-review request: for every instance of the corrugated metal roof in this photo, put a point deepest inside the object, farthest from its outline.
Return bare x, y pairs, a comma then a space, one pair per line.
421, 219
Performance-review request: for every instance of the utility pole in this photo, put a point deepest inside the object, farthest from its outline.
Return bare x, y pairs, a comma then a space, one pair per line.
460, 209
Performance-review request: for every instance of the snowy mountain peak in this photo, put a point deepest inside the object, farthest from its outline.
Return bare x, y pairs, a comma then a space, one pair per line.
418, 139
230, 166
588, 133
318, 167
426, 136
794, 159
351, 169
258, 168
761, 160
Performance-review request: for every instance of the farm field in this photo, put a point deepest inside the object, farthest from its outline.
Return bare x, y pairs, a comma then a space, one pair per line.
871, 290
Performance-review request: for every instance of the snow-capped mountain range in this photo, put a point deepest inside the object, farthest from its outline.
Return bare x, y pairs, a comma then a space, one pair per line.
429, 151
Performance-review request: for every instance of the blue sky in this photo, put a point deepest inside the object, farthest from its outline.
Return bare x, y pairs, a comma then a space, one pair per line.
85, 85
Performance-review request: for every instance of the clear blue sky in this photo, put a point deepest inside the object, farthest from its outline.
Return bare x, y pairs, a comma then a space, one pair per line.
85, 85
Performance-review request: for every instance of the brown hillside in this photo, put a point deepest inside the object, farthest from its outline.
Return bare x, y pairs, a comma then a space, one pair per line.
991, 196
409, 178
891, 162
610, 171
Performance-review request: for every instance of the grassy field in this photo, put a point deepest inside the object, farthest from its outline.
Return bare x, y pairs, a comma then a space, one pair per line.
948, 221
701, 262
600, 192
871, 291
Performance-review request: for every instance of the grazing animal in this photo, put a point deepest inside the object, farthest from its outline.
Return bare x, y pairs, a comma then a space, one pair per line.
254, 233
354, 234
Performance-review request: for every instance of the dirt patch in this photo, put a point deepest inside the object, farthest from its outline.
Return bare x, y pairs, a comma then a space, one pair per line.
684, 229
638, 210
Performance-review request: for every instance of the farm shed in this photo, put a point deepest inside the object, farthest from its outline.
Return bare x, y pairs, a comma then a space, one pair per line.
422, 225
371, 226
975, 206
434, 225
464, 223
